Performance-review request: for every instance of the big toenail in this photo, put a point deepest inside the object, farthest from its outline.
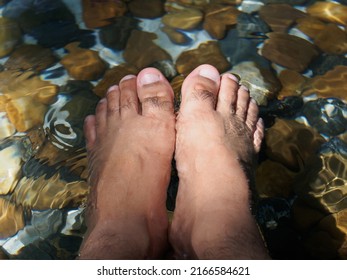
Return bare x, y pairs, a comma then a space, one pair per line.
210, 74
147, 79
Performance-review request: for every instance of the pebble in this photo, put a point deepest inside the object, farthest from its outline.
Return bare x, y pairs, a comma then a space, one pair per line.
11, 218
146, 9
83, 64
186, 19
10, 36
329, 11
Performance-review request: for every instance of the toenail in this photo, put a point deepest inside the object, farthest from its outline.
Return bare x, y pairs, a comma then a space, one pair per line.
115, 87
254, 101
147, 79
233, 77
210, 74
127, 77
244, 88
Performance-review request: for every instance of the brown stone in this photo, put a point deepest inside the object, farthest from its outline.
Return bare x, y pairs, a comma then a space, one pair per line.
328, 37
332, 84
292, 143
175, 36
6, 127
186, 19
262, 83
15, 84
11, 218
280, 17
208, 52
292, 83
146, 9
83, 64
25, 113
113, 76
273, 179
49, 193
138, 42
329, 11
289, 51
30, 57
220, 18
100, 13
10, 36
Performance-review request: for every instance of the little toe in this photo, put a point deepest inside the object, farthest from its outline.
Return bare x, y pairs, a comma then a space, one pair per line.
89, 129
227, 94
242, 102
129, 101
101, 116
155, 93
200, 88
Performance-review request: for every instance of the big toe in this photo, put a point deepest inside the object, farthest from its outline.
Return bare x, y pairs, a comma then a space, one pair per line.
155, 93
200, 89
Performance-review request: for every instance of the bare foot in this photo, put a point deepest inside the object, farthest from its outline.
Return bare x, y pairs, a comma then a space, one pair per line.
218, 136
130, 144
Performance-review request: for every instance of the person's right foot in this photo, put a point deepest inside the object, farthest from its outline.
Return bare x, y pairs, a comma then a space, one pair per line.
218, 136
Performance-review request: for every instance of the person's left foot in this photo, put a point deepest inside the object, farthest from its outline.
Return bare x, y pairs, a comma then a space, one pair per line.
130, 144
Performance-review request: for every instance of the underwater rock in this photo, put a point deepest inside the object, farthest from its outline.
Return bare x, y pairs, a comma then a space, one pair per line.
273, 179
263, 85
64, 119
238, 49
10, 166
291, 143
280, 17
329, 11
218, 19
115, 35
328, 37
292, 83
167, 67
100, 13
328, 116
33, 57
16, 84
291, 2
185, 19
250, 26
251, 6
208, 52
139, 41
44, 193
332, 84
113, 76
325, 63
11, 218
289, 51
6, 127
146, 9
25, 112
83, 64
176, 36
324, 186
10, 36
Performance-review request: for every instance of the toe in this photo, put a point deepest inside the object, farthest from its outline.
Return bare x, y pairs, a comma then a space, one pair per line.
89, 129
155, 93
101, 116
200, 88
113, 102
252, 115
129, 101
227, 94
258, 135
242, 102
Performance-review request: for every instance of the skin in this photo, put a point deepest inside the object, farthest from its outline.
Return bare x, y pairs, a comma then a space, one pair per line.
131, 141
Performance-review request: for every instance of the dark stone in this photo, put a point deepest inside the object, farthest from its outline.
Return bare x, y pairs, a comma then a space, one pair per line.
39, 250
238, 49
290, 2
328, 116
335, 145
289, 107
325, 63
115, 36
249, 26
